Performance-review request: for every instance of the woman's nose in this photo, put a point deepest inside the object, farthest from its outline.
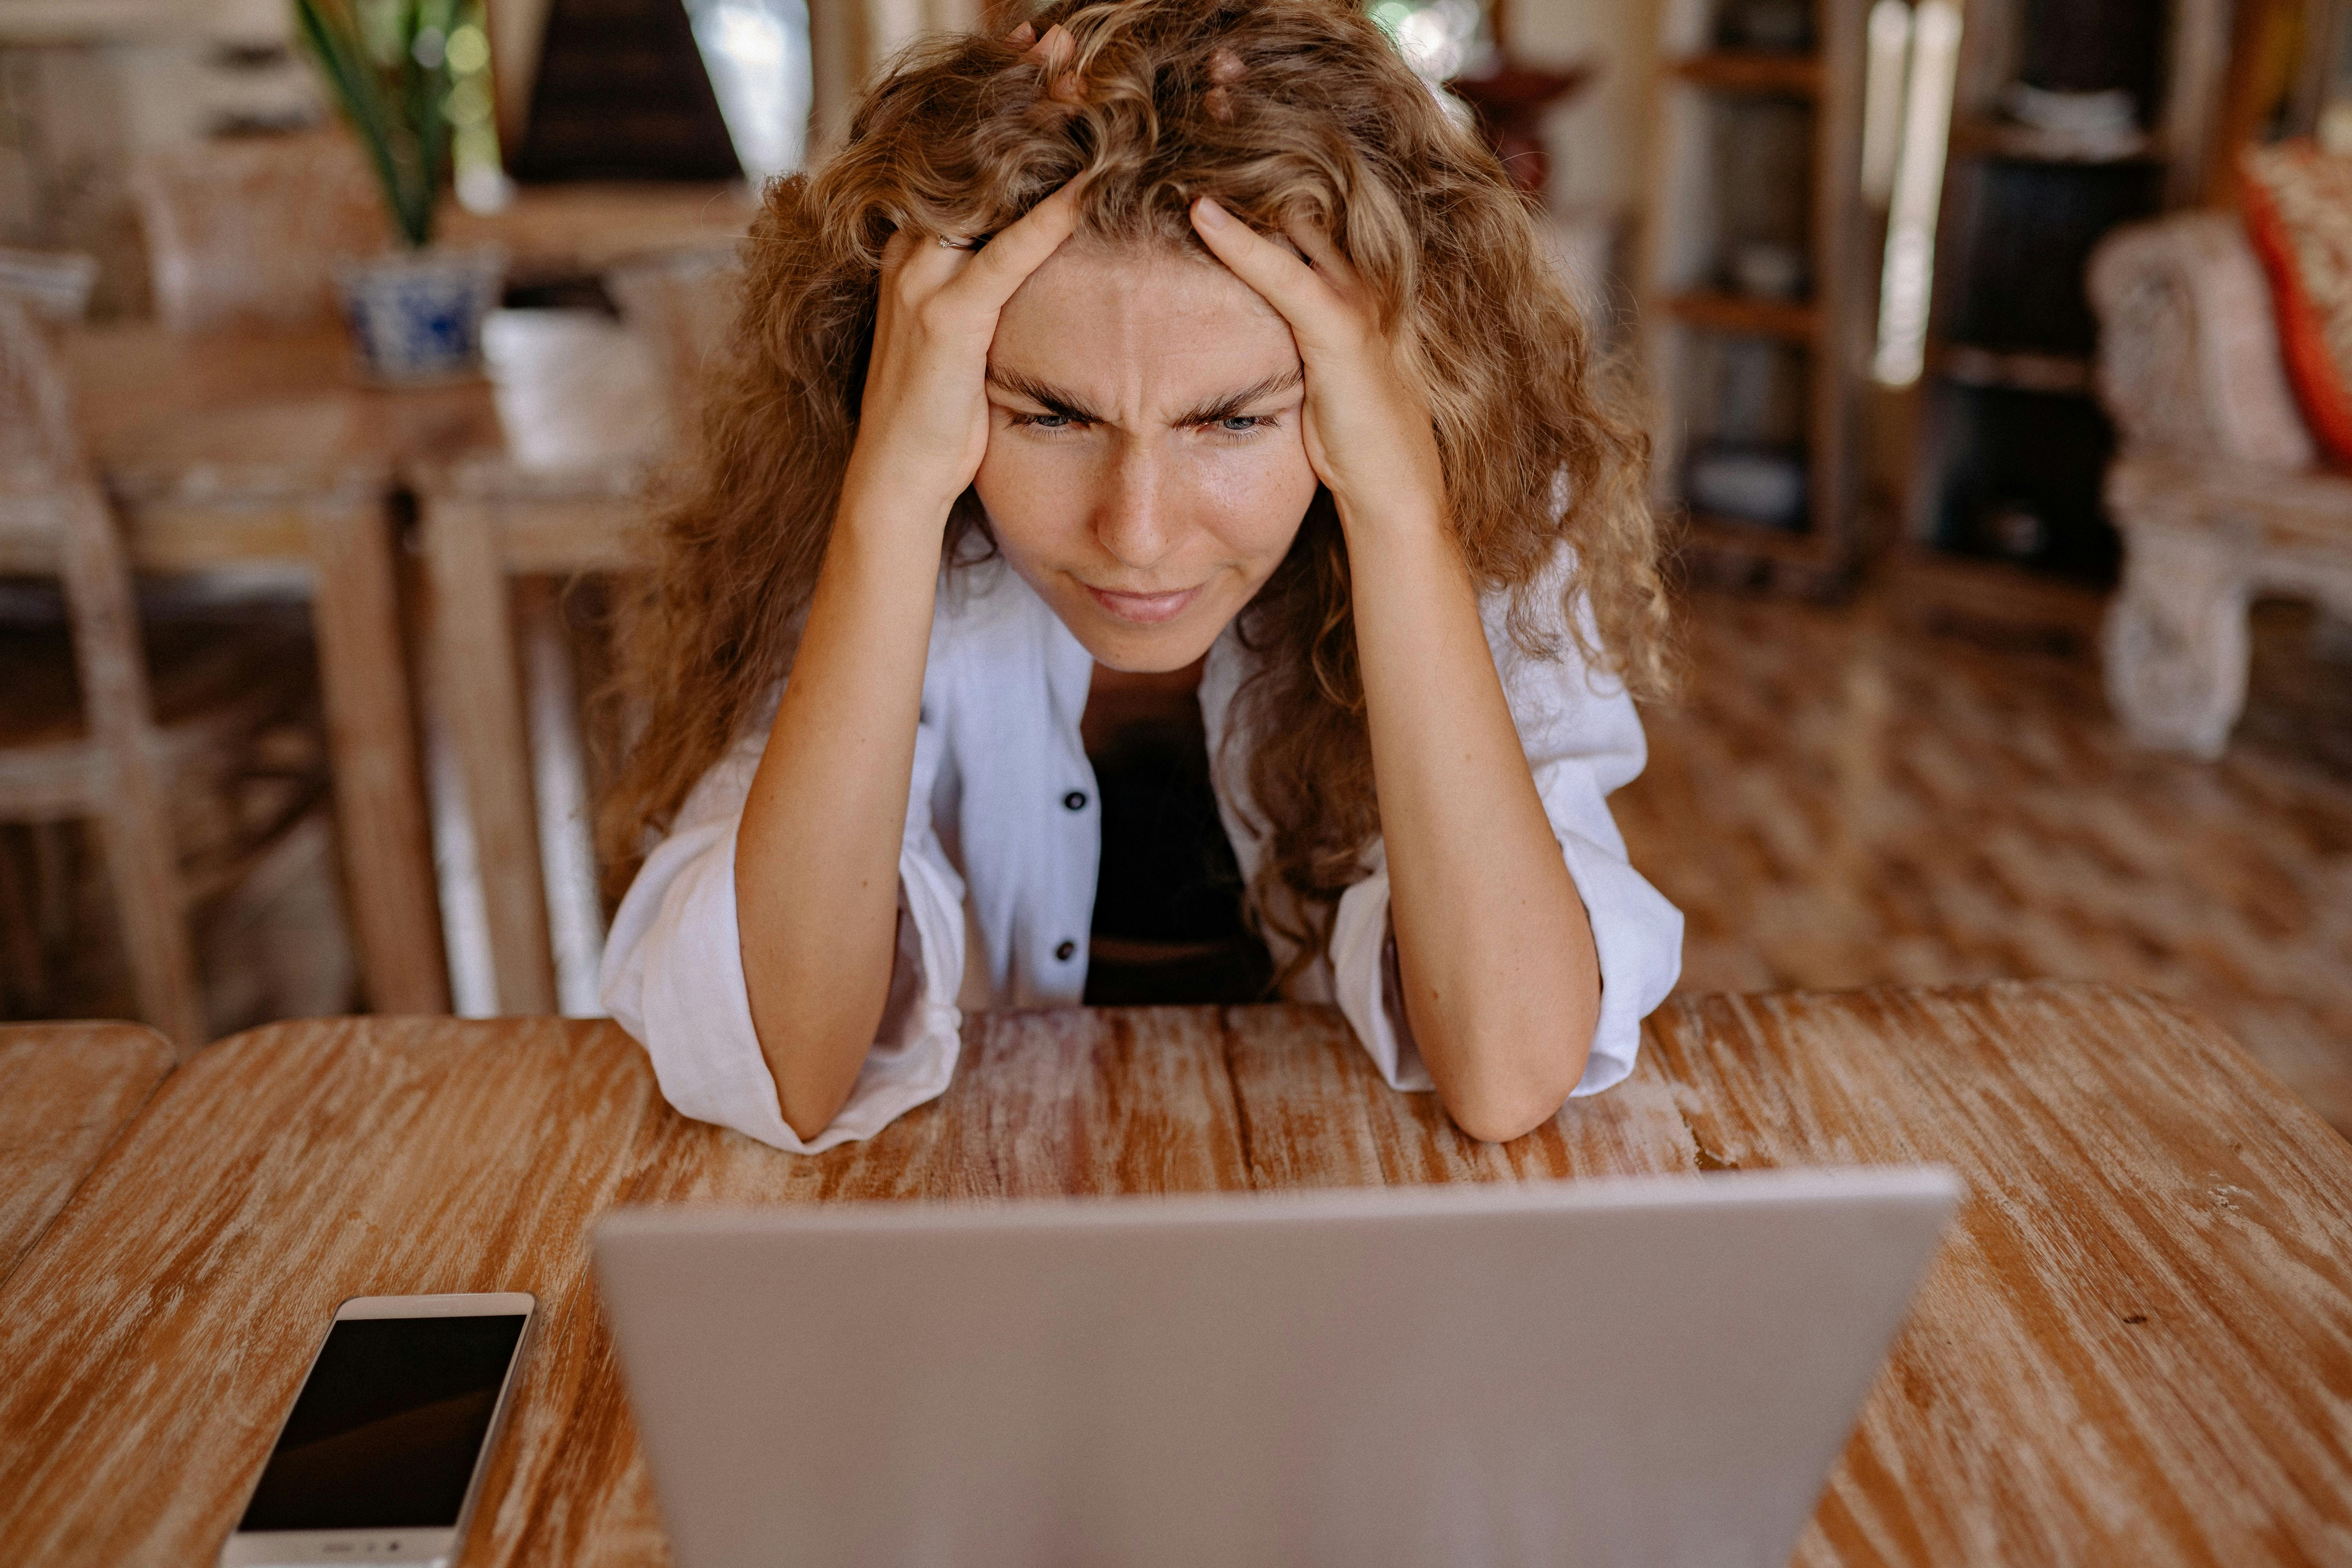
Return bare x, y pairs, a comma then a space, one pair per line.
1133, 522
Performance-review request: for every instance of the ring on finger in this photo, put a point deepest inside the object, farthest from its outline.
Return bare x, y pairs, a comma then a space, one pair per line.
949, 242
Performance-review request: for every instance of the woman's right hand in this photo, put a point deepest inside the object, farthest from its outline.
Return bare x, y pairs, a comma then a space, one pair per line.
922, 428
817, 854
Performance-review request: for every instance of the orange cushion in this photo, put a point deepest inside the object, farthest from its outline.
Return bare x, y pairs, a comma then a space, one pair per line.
2298, 204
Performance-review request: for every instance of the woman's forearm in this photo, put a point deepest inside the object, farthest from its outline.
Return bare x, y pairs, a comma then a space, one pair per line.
816, 859
1502, 984
1501, 979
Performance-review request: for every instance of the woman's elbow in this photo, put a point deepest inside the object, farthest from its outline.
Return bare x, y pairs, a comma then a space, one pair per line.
1498, 1118
807, 1124
1504, 1075
1495, 1107
814, 1078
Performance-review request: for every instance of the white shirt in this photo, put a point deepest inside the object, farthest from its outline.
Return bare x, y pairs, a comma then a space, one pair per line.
1003, 827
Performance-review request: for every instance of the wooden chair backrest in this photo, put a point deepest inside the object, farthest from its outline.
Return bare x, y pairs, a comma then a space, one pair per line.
57, 282
41, 453
249, 232
38, 452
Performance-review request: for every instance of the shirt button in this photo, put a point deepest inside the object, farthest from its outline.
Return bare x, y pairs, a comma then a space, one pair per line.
1067, 951
1076, 800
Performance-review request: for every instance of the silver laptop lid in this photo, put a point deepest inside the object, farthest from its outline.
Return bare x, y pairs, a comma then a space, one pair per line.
1656, 1371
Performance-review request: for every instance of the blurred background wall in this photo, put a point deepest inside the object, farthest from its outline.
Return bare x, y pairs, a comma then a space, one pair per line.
1600, 148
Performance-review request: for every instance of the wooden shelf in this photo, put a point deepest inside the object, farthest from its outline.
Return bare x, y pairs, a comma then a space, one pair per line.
1984, 138
1761, 143
1752, 70
1792, 320
2014, 369
2022, 206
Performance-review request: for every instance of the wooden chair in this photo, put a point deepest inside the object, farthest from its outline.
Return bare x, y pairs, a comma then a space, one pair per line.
592, 413
249, 232
504, 533
87, 732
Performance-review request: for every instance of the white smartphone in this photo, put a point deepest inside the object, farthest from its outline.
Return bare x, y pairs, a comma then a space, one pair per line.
379, 1459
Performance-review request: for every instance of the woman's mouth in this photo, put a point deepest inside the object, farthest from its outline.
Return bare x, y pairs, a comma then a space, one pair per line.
1144, 609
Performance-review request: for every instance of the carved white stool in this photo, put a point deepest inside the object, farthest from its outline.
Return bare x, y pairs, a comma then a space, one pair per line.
2201, 544
2216, 491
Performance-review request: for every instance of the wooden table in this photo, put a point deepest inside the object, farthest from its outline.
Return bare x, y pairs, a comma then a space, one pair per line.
66, 1090
252, 450
575, 231
2135, 1348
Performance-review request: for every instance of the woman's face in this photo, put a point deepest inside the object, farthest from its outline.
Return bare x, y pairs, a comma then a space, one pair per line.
1145, 473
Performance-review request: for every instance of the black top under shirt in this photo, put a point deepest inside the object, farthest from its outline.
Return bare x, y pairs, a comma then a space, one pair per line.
1168, 925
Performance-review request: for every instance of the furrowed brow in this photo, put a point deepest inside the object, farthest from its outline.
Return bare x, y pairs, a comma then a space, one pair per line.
1054, 400
1233, 403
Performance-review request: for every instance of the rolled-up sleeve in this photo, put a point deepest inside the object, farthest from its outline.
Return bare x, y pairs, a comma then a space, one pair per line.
673, 971
1582, 739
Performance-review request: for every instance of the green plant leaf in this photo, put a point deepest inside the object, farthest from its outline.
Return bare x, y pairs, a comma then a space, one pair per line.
395, 102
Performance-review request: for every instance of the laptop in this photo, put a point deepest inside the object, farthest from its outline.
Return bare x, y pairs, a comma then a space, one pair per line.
1639, 1372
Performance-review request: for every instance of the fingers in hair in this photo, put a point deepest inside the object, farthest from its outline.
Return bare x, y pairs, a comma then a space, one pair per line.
1054, 50
1325, 256
915, 264
912, 255
1020, 247
1287, 282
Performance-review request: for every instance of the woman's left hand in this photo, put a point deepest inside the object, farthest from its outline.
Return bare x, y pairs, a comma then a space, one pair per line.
1367, 424
1499, 975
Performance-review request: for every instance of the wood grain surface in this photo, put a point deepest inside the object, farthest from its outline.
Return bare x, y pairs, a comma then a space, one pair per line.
2136, 1347
66, 1090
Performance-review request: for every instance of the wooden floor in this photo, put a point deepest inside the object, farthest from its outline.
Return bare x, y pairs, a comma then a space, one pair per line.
1837, 799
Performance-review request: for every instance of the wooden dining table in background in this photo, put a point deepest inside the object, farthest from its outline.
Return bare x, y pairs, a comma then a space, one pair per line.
562, 234
2134, 1347
264, 451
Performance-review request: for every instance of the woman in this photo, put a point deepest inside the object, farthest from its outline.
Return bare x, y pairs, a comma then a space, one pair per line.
1163, 336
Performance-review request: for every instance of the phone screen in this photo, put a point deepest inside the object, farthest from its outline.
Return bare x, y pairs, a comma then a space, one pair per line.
386, 1431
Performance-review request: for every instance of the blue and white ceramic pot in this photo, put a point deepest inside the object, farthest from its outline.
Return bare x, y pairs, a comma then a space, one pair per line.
416, 316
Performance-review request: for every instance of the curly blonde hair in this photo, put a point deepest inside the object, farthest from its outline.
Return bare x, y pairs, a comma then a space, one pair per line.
1286, 111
